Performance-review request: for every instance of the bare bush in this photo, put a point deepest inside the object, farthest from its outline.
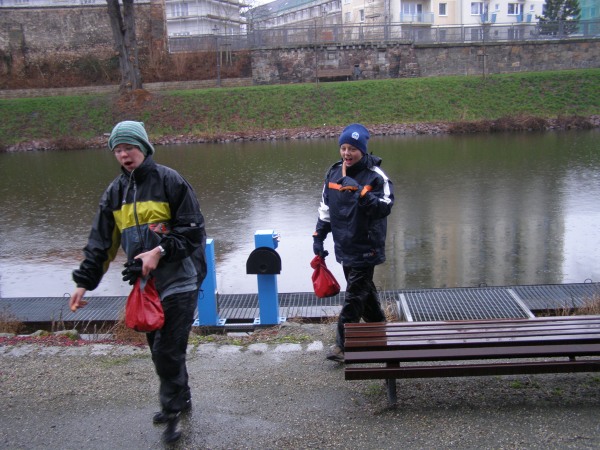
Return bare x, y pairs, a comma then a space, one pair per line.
591, 306
9, 323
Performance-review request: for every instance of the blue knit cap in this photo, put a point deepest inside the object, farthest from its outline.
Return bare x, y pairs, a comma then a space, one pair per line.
356, 135
133, 133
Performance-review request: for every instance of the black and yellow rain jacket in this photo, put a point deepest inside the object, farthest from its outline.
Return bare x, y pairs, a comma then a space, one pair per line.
151, 206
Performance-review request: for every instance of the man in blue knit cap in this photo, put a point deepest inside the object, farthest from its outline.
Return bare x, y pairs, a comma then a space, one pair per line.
152, 212
356, 200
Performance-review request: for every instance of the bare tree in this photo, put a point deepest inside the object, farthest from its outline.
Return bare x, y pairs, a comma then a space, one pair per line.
123, 30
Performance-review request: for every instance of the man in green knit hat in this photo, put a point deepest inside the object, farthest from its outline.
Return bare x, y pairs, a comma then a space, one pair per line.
153, 213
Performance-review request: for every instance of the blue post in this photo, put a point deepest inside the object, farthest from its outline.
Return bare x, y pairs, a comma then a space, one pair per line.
207, 297
268, 297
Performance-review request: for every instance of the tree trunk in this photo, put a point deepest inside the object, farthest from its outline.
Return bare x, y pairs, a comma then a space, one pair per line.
123, 30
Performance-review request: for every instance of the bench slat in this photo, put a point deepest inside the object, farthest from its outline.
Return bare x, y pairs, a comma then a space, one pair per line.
471, 341
369, 373
477, 322
524, 330
409, 327
474, 339
456, 354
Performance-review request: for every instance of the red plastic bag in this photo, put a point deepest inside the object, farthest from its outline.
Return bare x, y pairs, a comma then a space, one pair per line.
143, 310
324, 282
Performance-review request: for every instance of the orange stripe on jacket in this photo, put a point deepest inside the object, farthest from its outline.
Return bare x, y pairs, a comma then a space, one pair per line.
366, 189
339, 187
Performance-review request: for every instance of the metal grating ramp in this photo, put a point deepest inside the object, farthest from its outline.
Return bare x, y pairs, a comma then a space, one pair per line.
461, 304
413, 304
557, 296
245, 307
55, 309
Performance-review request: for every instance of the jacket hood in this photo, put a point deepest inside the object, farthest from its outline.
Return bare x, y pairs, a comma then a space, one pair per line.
142, 171
372, 160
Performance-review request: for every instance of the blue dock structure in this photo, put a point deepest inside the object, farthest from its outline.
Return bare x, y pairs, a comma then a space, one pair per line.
269, 307
238, 311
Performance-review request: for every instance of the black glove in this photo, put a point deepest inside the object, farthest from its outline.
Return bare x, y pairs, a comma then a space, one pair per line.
318, 248
133, 269
349, 184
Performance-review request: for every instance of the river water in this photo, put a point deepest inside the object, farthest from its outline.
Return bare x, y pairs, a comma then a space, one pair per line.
485, 209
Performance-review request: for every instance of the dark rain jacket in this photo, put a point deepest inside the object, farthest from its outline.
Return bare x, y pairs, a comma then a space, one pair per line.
151, 206
356, 219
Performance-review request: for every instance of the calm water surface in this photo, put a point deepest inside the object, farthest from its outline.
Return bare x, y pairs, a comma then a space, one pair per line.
500, 210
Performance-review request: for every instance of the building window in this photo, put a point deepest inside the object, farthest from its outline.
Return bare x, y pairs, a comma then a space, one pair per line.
179, 9
477, 8
442, 10
361, 15
348, 17
515, 9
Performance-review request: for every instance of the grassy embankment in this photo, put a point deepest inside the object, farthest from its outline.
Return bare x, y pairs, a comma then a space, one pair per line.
209, 113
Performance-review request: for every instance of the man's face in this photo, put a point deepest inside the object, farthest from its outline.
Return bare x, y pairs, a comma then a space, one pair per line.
350, 154
129, 156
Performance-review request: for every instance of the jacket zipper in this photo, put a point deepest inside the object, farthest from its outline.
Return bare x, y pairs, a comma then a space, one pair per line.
135, 215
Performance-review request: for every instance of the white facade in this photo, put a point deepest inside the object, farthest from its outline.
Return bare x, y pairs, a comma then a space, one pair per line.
415, 12
201, 17
299, 13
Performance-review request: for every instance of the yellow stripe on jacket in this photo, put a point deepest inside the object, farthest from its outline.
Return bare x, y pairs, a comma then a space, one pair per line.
147, 212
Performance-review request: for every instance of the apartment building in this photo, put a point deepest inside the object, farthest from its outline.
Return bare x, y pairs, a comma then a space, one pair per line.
414, 12
202, 17
294, 13
444, 12
590, 9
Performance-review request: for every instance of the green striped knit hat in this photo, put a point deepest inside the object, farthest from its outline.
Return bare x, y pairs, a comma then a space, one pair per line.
133, 133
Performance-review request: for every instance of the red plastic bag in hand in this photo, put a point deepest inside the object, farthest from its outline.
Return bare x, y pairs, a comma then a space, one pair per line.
324, 282
143, 310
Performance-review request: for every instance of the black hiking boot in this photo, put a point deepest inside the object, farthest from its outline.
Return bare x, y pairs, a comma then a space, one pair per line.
163, 417
172, 433
336, 354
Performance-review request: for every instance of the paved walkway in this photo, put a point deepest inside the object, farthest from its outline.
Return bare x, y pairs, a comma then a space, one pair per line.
280, 396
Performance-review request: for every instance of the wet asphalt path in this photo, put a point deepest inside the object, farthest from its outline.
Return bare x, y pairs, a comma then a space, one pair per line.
284, 396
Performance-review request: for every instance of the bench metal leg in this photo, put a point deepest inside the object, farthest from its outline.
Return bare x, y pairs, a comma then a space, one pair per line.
391, 391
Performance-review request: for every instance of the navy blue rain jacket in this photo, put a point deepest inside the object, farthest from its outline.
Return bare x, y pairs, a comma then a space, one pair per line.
356, 219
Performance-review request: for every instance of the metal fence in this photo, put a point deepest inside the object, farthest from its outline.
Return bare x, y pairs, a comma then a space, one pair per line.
385, 34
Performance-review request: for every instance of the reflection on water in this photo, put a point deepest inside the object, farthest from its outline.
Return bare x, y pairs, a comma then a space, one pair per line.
499, 210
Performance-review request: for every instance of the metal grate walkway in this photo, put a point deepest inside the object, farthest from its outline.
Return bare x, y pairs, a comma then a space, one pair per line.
413, 304
462, 304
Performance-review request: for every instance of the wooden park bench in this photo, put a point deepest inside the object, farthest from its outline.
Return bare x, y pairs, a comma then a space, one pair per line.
391, 351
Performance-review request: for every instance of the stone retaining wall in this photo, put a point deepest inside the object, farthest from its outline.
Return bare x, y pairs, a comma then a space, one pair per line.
379, 61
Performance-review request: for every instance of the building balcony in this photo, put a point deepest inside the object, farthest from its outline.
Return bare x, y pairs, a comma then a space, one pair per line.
424, 18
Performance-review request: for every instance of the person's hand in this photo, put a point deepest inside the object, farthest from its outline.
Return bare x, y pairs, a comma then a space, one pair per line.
150, 260
349, 184
318, 248
133, 269
76, 301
